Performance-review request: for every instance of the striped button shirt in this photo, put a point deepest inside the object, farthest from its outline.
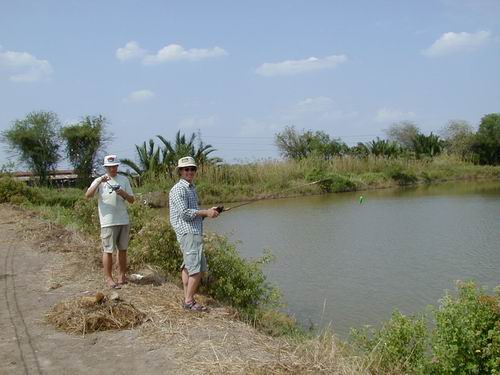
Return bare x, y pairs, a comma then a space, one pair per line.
183, 203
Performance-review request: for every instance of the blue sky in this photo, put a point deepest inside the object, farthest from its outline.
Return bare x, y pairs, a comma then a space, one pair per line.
241, 71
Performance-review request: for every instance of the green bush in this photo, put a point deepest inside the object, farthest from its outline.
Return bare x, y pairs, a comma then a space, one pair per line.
65, 197
399, 346
156, 244
466, 339
234, 280
331, 182
231, 279
401, 176
16, 192
86, 215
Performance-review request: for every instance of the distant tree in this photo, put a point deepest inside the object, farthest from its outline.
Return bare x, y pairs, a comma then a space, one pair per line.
35, 139
427, 145
404, 133
295, 145
487, 143
84, 143
383, 147
459, 137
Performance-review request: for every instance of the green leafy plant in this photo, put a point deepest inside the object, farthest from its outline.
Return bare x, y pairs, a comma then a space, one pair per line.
234, 280
401, 175
466, 339
398, 346
16, 192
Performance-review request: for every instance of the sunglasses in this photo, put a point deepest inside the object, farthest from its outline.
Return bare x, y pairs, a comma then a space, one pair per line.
190, 169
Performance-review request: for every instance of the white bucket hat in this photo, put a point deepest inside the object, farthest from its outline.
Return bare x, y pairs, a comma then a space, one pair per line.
186, 161
111, 161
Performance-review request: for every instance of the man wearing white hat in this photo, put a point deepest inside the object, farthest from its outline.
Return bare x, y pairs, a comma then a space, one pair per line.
113, 190
187, 221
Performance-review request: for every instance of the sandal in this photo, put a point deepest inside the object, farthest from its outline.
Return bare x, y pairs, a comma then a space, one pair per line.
194, 306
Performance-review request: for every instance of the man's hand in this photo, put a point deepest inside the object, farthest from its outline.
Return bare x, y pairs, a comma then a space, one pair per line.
122, 193
212, 213
105, 178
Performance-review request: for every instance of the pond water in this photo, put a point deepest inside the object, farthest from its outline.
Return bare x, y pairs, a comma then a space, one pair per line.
349, 264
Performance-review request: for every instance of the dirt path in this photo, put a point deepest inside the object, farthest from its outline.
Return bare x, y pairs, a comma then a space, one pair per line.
28, 345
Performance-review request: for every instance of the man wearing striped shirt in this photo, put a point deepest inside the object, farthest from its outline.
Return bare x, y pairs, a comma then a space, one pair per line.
187, 221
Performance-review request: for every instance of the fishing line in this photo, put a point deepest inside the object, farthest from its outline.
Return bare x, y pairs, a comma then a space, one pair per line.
225, 209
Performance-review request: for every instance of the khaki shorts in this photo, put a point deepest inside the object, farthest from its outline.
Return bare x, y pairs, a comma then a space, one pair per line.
192, 252
114, 237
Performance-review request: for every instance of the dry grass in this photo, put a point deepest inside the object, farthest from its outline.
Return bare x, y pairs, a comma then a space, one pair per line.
84, 315
213, 343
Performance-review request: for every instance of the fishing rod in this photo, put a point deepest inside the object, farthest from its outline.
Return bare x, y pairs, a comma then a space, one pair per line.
220, 209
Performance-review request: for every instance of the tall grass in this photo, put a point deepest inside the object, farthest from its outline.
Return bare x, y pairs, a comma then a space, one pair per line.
272, 178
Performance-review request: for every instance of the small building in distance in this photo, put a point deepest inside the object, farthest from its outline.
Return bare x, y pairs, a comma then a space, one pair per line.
59, 178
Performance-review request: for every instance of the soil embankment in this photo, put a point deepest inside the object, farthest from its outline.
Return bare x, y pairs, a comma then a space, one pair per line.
42, 264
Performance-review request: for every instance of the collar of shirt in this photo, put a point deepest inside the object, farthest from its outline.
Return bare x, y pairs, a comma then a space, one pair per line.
185, 183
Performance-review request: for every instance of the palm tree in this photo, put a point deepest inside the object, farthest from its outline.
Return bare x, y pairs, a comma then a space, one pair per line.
382, 147
429, 145
148, 160
183, 146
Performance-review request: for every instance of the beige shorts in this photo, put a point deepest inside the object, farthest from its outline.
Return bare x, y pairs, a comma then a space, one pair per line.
192, 253
114, 237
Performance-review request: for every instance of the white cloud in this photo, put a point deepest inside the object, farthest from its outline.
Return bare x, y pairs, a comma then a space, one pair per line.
293, 67
451, 42
24, 67
197, 122
139, 96
175, 52
392, 115
131, 51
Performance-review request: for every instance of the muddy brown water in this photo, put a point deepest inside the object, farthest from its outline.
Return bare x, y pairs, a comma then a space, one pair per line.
348, 264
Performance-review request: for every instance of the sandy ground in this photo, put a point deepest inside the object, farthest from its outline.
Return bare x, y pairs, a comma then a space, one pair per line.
43, 264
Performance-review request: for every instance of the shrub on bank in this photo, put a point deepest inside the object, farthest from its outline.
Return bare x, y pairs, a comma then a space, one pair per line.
331, 182
155, 244
234, 280
398, 346
465, 338
16, 192
231, 279
401, 175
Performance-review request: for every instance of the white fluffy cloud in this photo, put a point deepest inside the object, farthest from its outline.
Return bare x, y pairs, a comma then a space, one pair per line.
24, 67
131, 51
174, 52
140, 96
392, 115
171, 52
293, 67
451, 42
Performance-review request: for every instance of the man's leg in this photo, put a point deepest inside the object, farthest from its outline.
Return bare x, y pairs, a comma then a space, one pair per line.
185, 280
193, 282
107, 265
122, 266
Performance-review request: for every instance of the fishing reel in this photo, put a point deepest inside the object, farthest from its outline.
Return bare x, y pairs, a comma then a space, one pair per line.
113, 187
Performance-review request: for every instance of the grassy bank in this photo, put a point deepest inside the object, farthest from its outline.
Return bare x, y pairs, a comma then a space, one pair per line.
465, 333
239, 182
